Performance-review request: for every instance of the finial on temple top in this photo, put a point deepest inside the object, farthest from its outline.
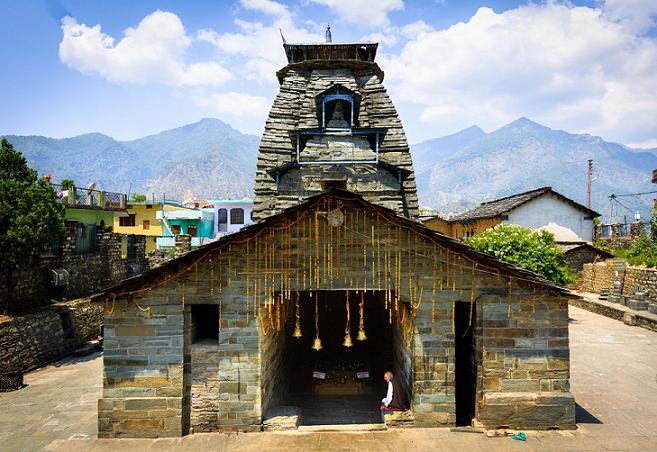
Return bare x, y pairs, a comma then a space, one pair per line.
328, 33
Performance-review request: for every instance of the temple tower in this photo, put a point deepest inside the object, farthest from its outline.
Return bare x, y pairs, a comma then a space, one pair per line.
333, 124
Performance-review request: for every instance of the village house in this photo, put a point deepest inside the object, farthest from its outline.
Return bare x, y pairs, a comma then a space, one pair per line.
293, 319
197, 223
231, 215
542, 208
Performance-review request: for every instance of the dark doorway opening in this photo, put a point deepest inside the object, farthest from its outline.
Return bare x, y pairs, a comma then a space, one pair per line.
205, 322
338, 384
466, 362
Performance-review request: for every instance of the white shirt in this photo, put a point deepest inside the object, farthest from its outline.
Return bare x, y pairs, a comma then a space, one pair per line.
386, 401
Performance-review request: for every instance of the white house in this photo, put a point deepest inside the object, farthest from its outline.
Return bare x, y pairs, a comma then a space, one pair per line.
542, 208
231, 215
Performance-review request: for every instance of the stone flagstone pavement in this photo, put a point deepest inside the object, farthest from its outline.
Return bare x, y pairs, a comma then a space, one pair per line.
614, 380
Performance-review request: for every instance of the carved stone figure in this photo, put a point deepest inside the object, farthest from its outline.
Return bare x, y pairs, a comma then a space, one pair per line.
337, 118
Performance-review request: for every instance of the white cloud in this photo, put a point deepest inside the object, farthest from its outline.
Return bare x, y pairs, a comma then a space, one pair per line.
236, 104
373, 13
638, 15
268, 7
568, 67
152, 52
259, 45
648, 144
414, 29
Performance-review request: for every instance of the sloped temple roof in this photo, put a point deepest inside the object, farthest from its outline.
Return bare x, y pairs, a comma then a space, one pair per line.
497, 207
174, 267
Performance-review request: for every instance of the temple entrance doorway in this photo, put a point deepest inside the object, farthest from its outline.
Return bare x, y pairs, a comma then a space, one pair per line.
465, 363
334, 370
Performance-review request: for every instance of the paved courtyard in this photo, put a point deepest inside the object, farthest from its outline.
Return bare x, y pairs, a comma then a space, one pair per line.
614, 380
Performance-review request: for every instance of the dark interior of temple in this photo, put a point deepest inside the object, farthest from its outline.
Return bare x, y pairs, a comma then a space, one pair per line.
465, 361
338, 384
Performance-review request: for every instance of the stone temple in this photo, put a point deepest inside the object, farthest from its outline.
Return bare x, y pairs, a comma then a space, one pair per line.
293, 320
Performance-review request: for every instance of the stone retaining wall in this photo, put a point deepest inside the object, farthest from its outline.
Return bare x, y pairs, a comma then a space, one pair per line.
29, 341
88, 272
602, 275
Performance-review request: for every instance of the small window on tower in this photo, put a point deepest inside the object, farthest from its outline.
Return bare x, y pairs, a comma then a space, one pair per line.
146, 225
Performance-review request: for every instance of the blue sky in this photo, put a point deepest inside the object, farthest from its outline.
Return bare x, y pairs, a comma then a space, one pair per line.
129, 68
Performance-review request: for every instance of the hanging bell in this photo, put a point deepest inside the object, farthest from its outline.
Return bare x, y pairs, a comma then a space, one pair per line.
297, 331
317, 344
347, 341
361, 335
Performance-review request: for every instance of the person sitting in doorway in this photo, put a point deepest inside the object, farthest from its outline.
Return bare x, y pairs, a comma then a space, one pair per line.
394, 399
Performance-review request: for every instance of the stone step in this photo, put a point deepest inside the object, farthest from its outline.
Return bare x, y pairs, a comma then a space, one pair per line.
637, 305
652, 308
342, 428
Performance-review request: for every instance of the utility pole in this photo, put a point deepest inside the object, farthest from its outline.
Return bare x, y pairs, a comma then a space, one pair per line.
588, 196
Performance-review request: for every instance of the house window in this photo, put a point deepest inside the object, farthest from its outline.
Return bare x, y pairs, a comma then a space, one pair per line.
237, 216
176, 229
127, 221
222, 220
146, 225
191, 230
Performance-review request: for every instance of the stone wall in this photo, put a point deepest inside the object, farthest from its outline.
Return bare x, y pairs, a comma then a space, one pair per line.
31, 340
273, 387
89, 272
576, 258
143, 367
633, 279
205, 394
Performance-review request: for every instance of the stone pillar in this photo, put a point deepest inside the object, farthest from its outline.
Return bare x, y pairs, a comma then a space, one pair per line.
143, 368
637, 229
525, 364
183, 244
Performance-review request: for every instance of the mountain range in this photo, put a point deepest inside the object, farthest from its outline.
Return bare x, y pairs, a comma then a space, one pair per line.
210, 159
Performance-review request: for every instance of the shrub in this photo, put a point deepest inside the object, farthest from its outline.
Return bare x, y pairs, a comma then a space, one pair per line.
524, 248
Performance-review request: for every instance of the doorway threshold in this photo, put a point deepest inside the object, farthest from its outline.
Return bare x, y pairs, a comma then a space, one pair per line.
342, 428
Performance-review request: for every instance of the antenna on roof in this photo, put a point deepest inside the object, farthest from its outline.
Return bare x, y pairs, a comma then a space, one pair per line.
282, 37
328, 33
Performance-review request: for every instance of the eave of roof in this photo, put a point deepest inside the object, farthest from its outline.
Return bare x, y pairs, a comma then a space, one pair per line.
189, 258
502, 206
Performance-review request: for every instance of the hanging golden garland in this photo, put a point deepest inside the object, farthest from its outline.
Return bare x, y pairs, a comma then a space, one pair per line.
110, 312
297, 321
378, 249
248, 280
220, 313
509, 301
433, 290
147, 310
317, 343
472, 291
453, 312
347, 329
211, 275
183, 296
373, 258
364, 239
361, 321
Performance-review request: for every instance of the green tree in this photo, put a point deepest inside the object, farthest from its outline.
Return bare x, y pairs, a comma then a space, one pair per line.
30, 217
67, 184
138, 197
524, 248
